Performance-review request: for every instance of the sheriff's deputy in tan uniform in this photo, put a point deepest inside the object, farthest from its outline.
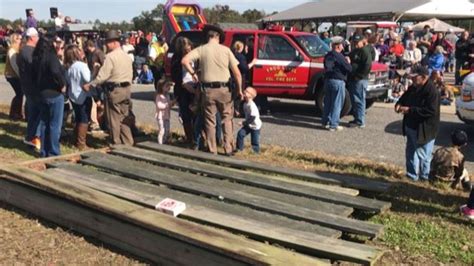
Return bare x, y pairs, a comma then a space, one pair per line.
115, 76
215, 60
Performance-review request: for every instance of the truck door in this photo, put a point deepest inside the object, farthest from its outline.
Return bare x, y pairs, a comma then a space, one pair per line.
281, 68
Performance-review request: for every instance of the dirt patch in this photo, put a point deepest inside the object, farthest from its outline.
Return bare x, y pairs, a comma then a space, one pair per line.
394, 257
24, 239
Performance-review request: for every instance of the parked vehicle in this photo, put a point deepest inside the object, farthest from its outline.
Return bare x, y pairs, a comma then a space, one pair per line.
289, 64
465, 102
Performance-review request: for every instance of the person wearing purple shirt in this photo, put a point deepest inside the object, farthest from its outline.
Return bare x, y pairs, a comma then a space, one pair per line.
31, 21
384, 50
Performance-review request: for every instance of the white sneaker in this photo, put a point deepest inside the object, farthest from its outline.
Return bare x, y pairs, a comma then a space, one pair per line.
333, 129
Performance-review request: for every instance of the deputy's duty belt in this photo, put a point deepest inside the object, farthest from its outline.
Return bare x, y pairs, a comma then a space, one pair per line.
215, 85
110, 86
121, 84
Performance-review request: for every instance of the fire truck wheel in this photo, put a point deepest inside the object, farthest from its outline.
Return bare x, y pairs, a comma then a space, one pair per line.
320, 103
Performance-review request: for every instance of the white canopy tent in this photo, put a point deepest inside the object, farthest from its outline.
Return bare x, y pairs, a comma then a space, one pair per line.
394, 10
437, 25
447, 9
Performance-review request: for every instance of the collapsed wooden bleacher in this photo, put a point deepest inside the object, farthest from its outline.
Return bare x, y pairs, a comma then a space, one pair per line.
237, 212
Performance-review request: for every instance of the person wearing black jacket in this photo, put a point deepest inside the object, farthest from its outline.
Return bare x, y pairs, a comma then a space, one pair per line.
461, 54
49, 79
336, 70
420, 106
361, 60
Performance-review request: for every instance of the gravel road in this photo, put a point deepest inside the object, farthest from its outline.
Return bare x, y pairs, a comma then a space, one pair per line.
293, 124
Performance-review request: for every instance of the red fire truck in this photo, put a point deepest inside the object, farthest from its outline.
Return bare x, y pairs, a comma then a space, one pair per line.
289, 64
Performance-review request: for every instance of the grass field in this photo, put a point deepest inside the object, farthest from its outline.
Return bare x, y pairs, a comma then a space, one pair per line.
423, 226
2, 68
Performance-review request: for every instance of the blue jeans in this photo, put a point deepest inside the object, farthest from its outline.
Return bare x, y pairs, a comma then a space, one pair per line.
254, 138
333, 101
52, 110
33, 121
418, 156
357, 90
82, 112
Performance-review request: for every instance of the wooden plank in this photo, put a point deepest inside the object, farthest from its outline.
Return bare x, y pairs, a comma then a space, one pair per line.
290, 181
253, 179
332, 188
312, 244
191, 183
125, 236
327, 178
216, 241
218, 188
132, 189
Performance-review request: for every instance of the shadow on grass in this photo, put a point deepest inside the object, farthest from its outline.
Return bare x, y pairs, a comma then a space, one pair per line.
9, 143
12, 139
407, 197
444, 135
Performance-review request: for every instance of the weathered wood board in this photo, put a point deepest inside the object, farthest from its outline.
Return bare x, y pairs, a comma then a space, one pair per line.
232, 206
191, 243
326, 178
233, 194
251, 179
285, 234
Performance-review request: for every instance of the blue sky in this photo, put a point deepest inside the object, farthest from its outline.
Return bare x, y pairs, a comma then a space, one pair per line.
118, 10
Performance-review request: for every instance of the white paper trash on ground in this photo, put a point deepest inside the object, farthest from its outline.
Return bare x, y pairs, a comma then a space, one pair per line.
171, 206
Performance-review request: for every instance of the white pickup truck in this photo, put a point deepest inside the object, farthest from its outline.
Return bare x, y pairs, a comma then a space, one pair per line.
465, 102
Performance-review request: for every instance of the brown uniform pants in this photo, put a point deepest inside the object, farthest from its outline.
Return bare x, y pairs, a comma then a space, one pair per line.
218, 100
117, 109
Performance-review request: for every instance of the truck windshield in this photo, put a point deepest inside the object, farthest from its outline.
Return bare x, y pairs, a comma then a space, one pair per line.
313, 45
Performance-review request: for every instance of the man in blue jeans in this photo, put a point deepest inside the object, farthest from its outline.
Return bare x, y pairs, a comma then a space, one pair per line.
336, 69
420, 107
361, 61
32, 111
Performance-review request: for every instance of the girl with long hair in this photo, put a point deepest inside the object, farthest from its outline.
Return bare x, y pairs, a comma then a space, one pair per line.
78, 74
49, 80
182, 47
12, 74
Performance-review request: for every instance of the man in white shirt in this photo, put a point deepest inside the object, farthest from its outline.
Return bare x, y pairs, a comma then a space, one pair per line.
412, 55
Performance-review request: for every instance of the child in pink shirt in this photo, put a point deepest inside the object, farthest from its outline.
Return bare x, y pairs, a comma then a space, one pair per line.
163, 108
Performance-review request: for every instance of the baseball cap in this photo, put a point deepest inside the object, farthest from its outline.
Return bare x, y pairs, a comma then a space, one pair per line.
357, 38
419, 71
337, 40
368, 31
31, 32
459, 137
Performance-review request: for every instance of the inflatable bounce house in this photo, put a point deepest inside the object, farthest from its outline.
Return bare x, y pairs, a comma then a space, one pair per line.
181, 15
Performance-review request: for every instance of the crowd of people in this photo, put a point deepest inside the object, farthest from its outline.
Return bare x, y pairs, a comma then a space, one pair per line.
209, 81
418, 90
62, 76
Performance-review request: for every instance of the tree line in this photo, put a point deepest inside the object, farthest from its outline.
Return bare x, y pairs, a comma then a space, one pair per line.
151, 21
